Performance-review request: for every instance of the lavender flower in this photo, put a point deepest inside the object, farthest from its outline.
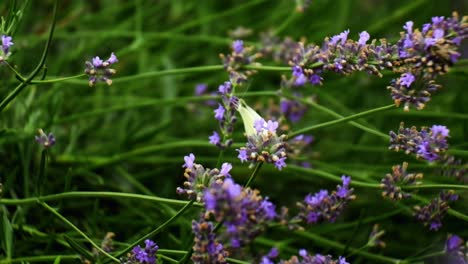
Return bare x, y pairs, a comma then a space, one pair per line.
238, 46
263, 144
207, 248
323, 206
45, 140
453, 167
375, 237
200, 89
145, 255
5, 48
392, 182
243, 212
426, 144
424, 54
293, 109
363, 38
215, 139
99, 70
268, 258
431, 215
234, 62
456, 250
226, 115
306, 258
199, 178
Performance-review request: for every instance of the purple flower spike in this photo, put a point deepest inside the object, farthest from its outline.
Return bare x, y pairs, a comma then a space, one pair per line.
189, 161
146, 255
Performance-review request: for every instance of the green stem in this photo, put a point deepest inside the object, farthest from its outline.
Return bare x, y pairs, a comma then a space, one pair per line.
41, 177
332, 113
157, 230
355, 183
58, 79
47, 259
231, 260
267, 68
169, 72
430, 255
67, 195
344, 119
65, 220
254, 174
33, 74
330, 243
168, 259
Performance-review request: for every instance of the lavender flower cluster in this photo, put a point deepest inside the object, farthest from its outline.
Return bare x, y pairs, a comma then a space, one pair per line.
425, 144
419, 56
234, 62
146, 255
431, 215
323, 206
99, 70
243, 211
456, 250
392, 182
226, 116
304, 258
5, 47
199, 178
264, 145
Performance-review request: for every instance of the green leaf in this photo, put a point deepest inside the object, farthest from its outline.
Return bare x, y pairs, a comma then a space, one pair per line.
57, 260
7, 236
79, 248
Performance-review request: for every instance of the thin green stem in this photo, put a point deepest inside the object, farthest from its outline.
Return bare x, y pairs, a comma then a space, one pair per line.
254, 174
330, 243
65, 220
47, 259
157, 230
33, 74
430, 255
41, 176
61, 79
168, 72
168, 259
68, 195
332, 113
344, 119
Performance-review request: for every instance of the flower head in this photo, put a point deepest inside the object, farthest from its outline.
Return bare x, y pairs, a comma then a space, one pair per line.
207, 248
263, 143
199, 178
323, 206
146, 255
45, 140
99, 70
431, 215
363, 38
5, 47
242, 211
392, 182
